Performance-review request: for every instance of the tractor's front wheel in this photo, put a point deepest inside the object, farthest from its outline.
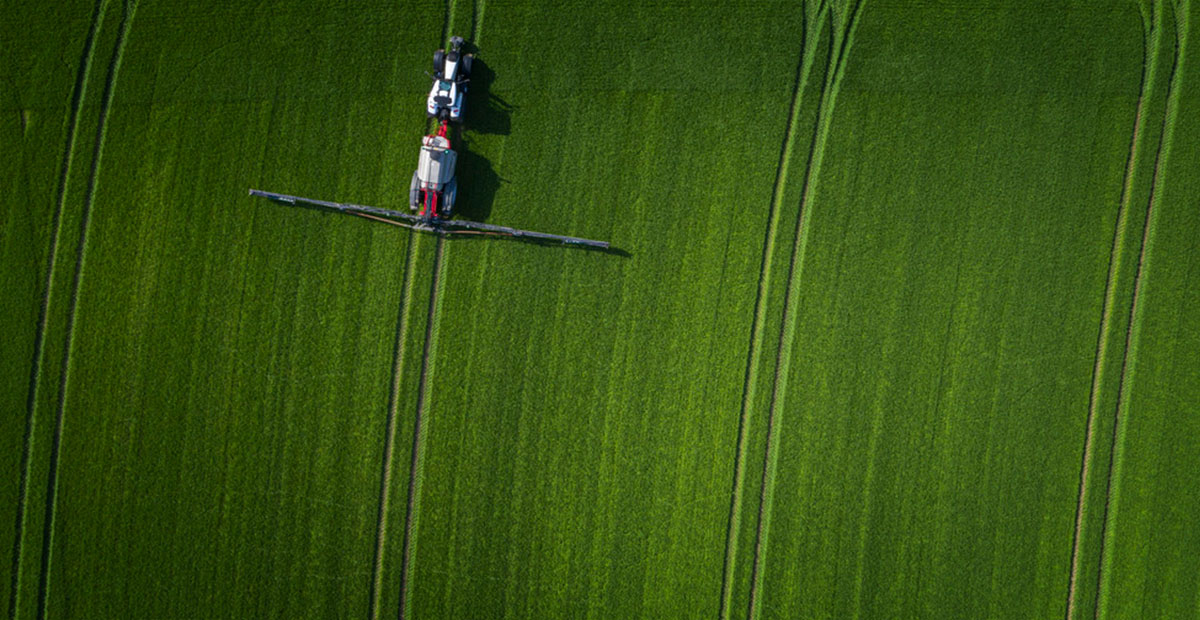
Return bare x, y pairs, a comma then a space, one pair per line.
439, 63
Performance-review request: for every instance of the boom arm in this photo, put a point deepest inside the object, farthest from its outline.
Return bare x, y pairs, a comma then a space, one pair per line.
342, 207
435, 225
448, 226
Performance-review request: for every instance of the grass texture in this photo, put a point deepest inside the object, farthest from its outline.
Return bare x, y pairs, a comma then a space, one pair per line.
901, 322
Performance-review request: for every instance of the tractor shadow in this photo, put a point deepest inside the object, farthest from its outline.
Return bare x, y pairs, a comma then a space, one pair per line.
478, 184
486, 112
477, 192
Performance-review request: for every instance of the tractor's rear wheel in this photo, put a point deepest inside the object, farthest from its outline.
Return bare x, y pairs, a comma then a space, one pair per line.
439, 62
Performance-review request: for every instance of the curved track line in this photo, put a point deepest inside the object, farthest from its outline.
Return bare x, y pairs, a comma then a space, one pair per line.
1114, 267
477, 22
803, 67
55, 447
419, 429
77, 96
1133, 330
390, 429
416, 468
835, 69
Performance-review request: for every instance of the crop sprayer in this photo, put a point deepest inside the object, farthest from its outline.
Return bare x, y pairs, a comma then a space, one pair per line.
434, 187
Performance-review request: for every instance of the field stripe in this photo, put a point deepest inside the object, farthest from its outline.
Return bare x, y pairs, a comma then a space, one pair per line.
1114, 267
1132, 332
390, 441
834, 71
419, 430
77, 96
477, 22
56, 444
448, 20
416, 468
803, 68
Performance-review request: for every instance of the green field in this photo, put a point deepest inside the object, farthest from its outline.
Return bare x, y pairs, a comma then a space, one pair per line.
903, 323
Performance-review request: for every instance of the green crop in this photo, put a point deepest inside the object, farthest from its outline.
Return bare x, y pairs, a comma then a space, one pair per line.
901, 321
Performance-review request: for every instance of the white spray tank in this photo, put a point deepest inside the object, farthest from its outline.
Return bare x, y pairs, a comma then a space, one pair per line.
434, 174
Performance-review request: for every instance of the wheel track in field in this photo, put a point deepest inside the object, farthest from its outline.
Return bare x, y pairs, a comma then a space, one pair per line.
110, 80
1110, 288
417, 464
376, 589
1103, 574
77, 95
477, 21
390, 429
416, 468
803, 68
841, 36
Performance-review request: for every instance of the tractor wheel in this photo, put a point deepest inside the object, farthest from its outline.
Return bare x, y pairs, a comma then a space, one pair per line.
449, 193
439, 62
466, 65
414, 192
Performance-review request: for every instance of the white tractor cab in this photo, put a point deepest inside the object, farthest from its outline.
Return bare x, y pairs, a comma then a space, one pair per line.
433, 186
451, 72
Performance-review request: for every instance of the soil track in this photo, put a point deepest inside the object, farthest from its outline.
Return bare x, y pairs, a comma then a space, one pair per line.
390, 440
419, 430
77, 95
756, 337
1114, 264
841, 36
55, 447
1131, 334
